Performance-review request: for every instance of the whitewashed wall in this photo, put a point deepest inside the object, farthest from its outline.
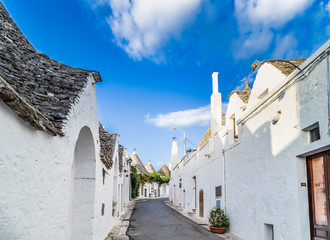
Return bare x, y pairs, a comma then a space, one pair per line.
263, 172
264, 167
35, 168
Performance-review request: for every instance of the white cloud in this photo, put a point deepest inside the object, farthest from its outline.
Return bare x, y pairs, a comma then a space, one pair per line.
286, 47
96, 3
269, 12
256, 18
253, 43
199, 116
249, 78
143, 27
325, 7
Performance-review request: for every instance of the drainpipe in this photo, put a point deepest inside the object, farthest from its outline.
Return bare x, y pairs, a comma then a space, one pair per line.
224, 179
328, 76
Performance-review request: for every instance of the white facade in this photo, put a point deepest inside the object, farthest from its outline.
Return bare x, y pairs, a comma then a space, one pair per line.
195, 178
53, 184
266, 172
40, 189
260, 151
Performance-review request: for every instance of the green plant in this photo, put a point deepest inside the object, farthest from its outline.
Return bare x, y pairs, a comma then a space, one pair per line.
135, 182
218, 218
114, 203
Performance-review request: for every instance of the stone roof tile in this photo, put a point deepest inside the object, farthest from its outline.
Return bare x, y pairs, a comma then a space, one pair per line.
136, 162
108, 144
165, 171
150, 168
40, 90
244, 95
286, 68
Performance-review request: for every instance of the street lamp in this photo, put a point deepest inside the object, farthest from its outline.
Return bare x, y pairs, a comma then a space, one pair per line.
184, 139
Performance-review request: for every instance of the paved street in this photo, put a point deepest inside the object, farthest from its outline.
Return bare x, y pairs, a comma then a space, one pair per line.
153, 220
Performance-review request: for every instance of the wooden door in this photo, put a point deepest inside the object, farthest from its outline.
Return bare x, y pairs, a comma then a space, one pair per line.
319, 189
201, 203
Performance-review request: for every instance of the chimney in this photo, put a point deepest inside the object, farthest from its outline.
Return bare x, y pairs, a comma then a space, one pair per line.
174, 160
215, 105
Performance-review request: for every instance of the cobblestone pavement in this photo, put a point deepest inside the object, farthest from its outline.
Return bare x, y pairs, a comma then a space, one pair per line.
154, 220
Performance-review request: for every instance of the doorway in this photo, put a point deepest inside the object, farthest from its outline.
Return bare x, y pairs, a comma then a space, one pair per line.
83, 186
318, 167
195, 194
201, 203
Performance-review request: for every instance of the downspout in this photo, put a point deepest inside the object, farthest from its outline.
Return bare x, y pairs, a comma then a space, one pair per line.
328, 76
224, 179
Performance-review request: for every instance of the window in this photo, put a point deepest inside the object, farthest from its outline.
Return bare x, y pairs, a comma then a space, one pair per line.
102, 210
217, 204
218, 191
233, 120
313, 132
103, 173
269, 231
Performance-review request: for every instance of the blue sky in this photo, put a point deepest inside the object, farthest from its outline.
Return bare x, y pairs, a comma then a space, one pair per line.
156, 57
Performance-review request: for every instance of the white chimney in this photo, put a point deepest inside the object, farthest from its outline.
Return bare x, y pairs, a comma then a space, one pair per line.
174, 160
216, 103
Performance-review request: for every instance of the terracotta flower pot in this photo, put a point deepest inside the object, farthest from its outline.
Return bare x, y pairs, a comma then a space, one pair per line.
217, 229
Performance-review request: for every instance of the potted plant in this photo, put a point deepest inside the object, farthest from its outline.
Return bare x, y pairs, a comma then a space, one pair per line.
114, 204
218, 221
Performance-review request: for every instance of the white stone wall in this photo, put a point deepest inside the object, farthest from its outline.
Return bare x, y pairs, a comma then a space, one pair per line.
204, 166
35, 169
266, 165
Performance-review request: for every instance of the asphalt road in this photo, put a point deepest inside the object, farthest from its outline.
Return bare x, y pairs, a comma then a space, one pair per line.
154, 220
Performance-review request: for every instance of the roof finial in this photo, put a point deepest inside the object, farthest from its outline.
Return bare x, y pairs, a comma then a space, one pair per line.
134, 151
247, 84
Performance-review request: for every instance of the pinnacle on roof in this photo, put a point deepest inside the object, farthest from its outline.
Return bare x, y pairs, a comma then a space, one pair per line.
244, 94
150, 168
165, 171
136, 162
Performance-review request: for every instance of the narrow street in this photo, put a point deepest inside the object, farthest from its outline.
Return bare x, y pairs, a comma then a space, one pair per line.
154, 220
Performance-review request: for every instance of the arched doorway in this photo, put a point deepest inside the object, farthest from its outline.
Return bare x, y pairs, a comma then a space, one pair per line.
83, 186
201, 203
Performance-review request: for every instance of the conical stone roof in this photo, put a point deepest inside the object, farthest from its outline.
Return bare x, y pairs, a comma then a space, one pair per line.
150, 168
136, 162
165, 171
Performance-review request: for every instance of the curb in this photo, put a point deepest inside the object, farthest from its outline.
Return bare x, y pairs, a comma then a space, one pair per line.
118, 232
202, 223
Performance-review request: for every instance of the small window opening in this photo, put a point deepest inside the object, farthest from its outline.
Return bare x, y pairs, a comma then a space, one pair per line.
313, 132
102, 210
218, 191
269, 231
234, 126
217, 204
103, 173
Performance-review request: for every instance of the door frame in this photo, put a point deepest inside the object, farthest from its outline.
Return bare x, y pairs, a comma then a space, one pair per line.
326, 155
